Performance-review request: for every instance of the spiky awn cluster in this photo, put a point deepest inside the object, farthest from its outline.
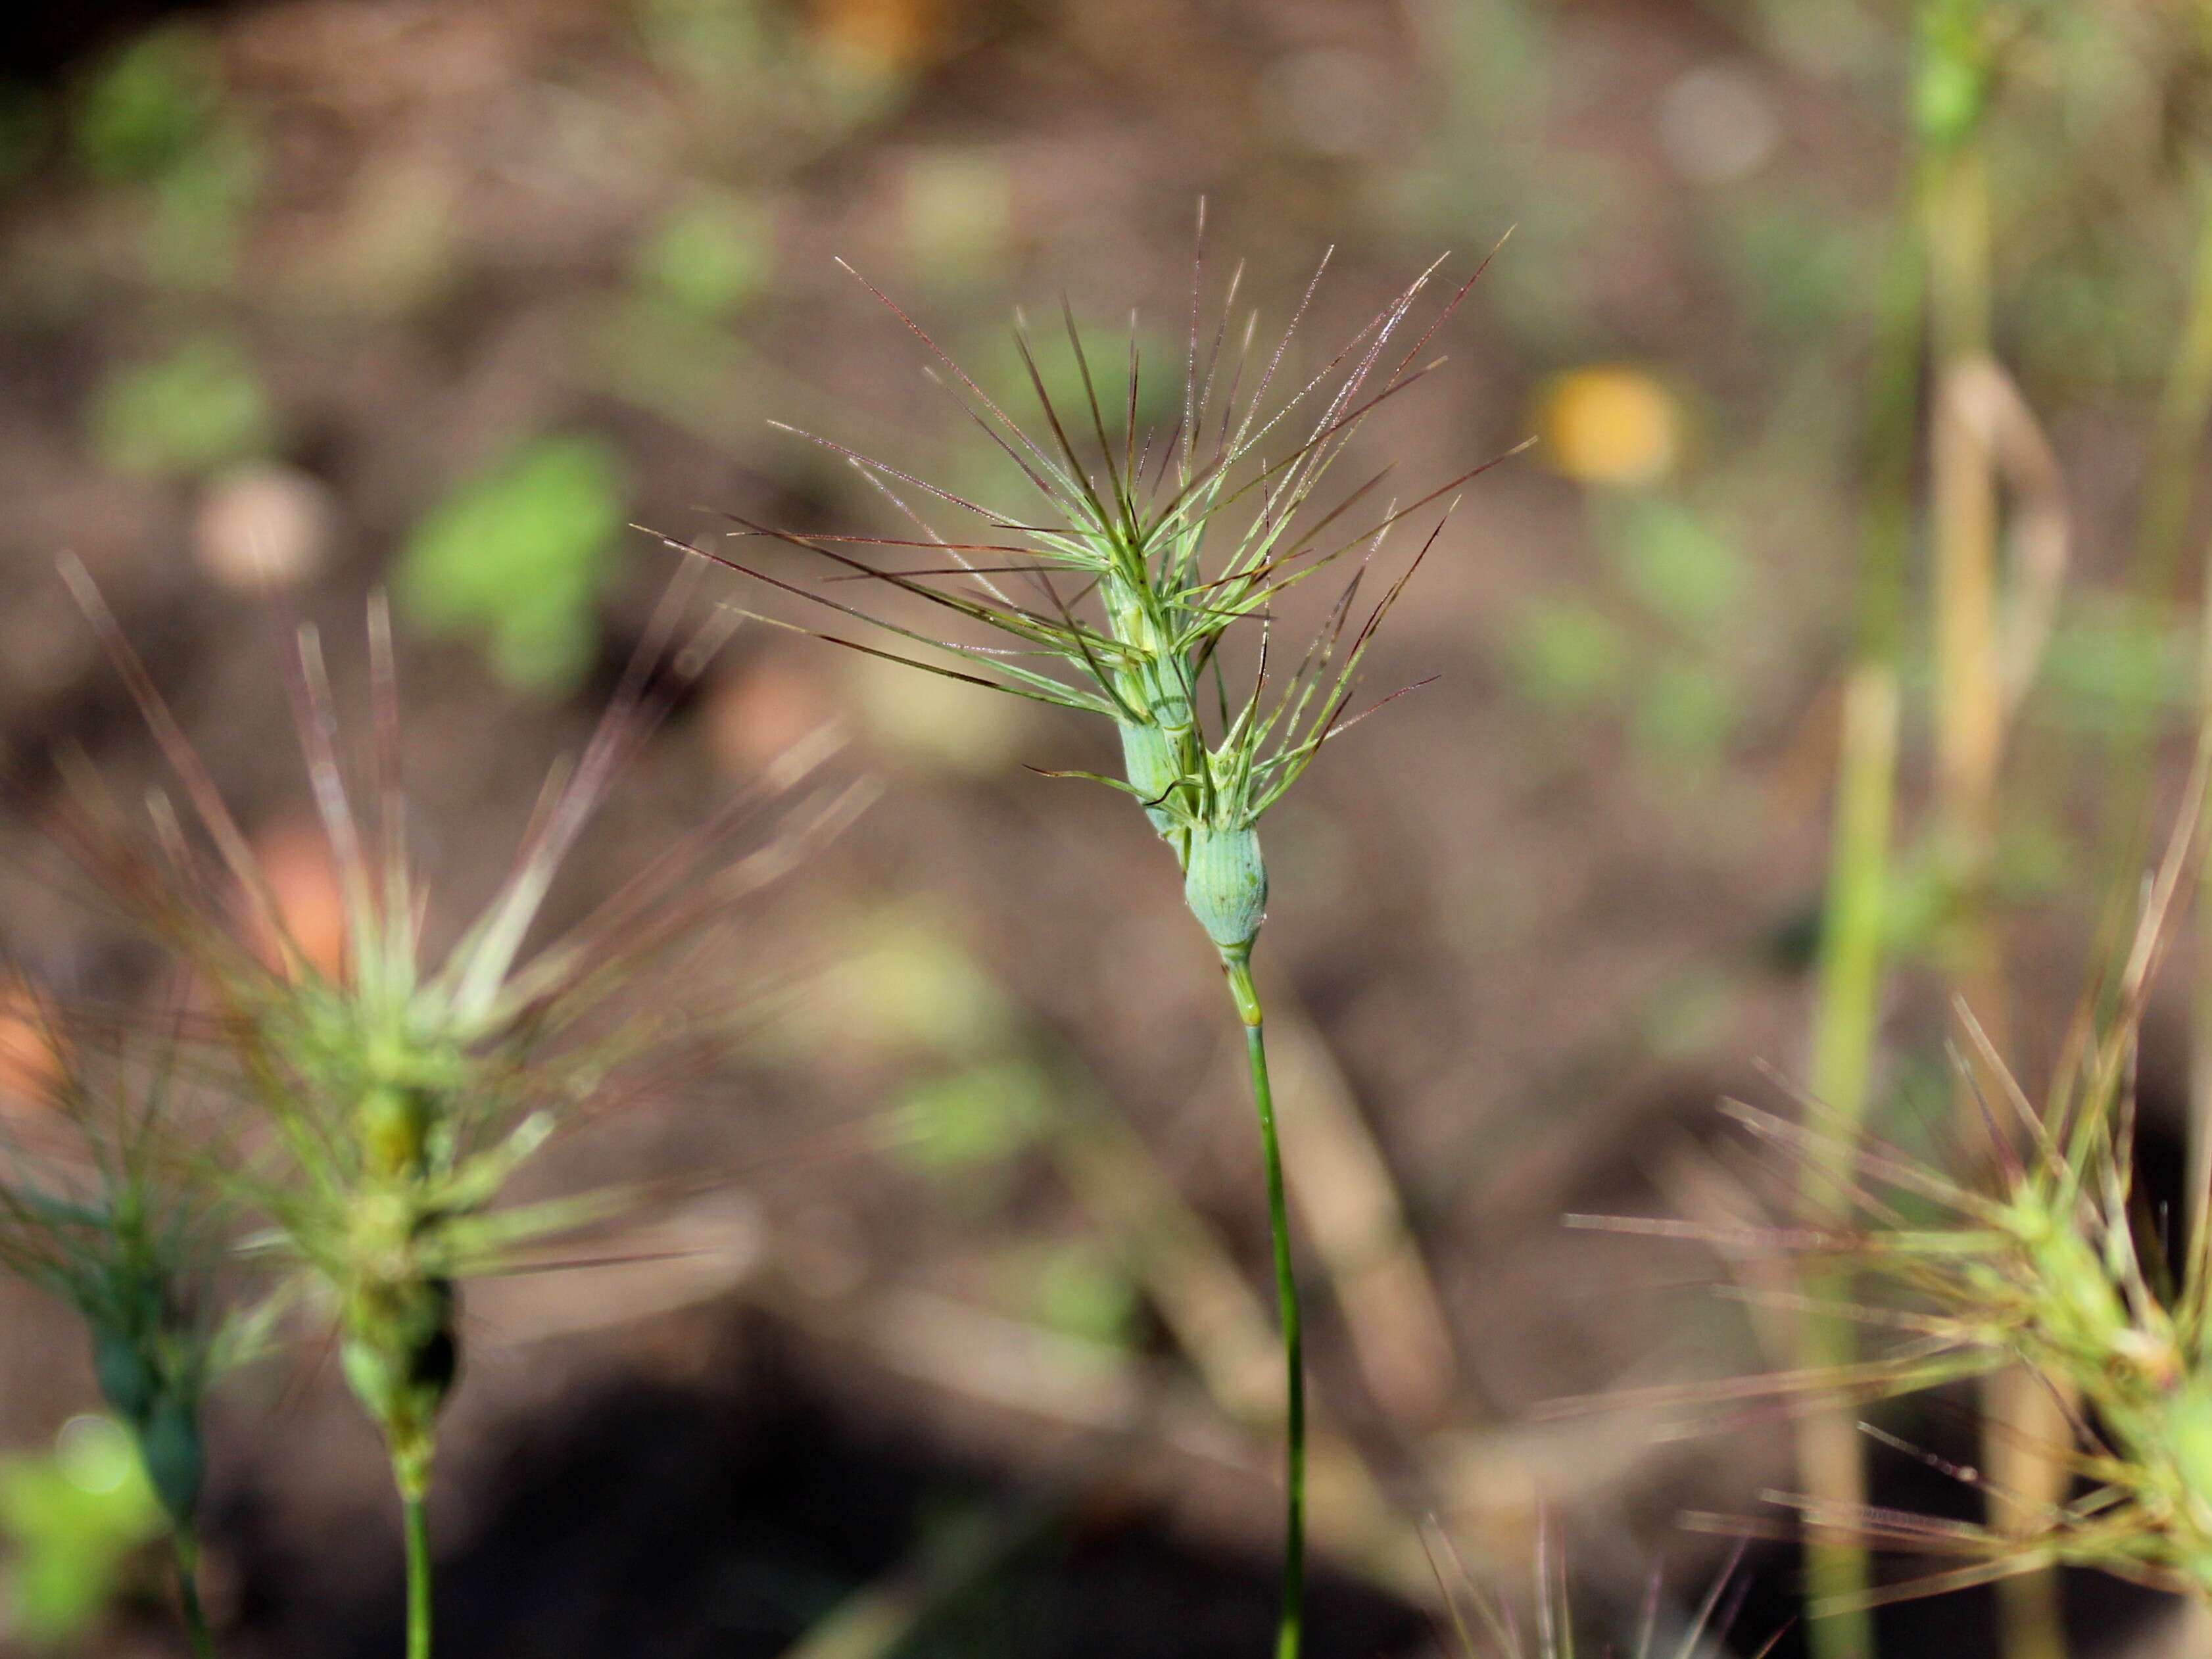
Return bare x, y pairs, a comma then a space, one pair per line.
400, 1092
1151, 548
2046, 1257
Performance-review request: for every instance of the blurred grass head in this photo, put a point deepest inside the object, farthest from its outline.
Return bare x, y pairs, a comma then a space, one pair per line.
2036, 1249
103, 1207
1484, 1624
399, 1092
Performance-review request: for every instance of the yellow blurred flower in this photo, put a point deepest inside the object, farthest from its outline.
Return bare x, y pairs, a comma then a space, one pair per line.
1611, 424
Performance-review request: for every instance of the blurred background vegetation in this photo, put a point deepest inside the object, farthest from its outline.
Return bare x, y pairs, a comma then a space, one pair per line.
444, 294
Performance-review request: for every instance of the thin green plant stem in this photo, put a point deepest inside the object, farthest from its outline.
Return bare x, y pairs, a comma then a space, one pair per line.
1830, 1453
187, 1552
1848, 999
415, 1521
1236, 963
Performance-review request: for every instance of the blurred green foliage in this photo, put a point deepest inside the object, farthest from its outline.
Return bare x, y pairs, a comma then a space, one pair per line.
967, 1125
1683, 712
1677, 564
798, 91
712, 40
154, 115
73, 1519
709, 258
1073, 1288
200, 408
200, 206
517, 558
2107, 659
1569, 653
150, 105
1660, 650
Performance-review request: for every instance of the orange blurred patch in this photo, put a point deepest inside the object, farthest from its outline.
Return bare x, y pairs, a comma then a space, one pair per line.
29, 1067
882, 40
295, 863
756, 713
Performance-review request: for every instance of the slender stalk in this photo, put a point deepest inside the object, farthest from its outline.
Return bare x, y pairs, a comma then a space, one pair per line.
416, 1522
1830, 1454
1237, 962
2021, 1417
187, 1551
1846, 1021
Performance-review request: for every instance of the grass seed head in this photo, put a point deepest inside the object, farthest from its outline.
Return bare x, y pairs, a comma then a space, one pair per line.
2035, 1251
102, 1206
399, 1094
1141, 553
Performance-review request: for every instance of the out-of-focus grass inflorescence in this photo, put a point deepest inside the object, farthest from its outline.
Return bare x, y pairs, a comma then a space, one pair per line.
2047, 1257
1484, 1625
402, 1094
98, 1209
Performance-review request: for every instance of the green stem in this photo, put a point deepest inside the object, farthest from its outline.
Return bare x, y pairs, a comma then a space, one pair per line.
415, 1520
188, 1595
1237, 962
1848, 1002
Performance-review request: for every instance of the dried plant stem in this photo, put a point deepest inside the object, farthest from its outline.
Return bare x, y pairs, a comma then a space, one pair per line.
414, 1520
1358, 1230
187, 1551
1969, 694
1236, 963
